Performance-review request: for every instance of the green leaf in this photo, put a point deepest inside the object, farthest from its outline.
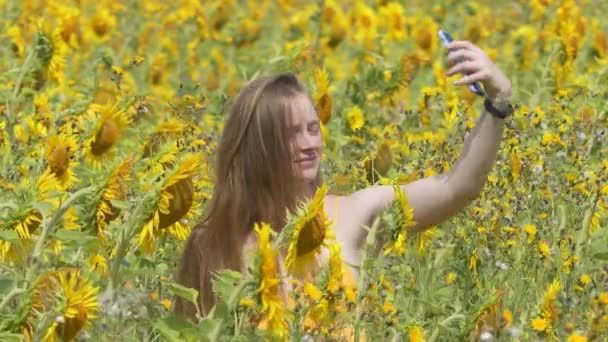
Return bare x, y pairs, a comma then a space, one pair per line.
162, 267
9, 235
73, 235
176, 329
209, 327
6, 283
186, 293
601, 256
145, 262
122, 205
220, 311
224, 284
42, 207
8, 337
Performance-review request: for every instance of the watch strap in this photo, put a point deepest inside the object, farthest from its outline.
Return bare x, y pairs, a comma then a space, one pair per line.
502, 112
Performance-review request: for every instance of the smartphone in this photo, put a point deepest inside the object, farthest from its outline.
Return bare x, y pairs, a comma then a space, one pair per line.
447, 38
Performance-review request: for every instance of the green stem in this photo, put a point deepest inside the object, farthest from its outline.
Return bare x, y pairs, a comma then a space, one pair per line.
10, 102
22, 72
121, 250
14, 292
48, 228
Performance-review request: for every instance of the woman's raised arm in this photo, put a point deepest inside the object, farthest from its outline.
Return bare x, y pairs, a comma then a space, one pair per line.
437, 198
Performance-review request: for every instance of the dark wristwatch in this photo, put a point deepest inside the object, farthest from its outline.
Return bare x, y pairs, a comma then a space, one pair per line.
502, 112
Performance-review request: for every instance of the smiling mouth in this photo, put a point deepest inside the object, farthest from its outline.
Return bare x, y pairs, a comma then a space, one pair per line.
307, 159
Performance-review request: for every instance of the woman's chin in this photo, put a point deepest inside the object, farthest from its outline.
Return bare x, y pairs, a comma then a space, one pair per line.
308, 174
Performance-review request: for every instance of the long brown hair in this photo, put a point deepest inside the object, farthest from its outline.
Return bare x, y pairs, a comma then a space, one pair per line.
255, 182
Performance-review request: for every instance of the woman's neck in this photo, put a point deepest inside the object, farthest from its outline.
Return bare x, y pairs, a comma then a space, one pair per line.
307, 189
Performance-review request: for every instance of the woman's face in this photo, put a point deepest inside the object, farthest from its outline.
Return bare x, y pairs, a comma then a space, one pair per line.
305, 138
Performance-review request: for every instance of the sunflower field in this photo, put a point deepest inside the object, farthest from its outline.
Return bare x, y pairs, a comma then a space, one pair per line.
110, 113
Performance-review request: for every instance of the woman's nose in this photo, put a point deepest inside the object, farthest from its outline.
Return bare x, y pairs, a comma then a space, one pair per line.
307, 141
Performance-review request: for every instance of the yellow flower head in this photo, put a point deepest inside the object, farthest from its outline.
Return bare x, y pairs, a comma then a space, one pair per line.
98, 264
102, 23
32, 218
540, 324
310, 229
531, 231
322, 97
336, 264
115, 189
272, 306
355, 118
426, 35
406, 212
175, 201
544, 249
59, 151
111, 123
577, 338
416, 334
80, 302
548, 306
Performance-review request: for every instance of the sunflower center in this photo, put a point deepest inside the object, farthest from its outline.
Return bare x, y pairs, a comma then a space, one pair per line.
311, 236
183, 193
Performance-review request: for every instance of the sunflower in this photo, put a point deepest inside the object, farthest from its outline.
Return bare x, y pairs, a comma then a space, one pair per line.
115, 189
29, 218
77, 296
273, 308
425, 35
9, 252
355, 118
176, 198
335, 22
364, 19
404, 221
101, 25
17, 41
328, 301
98, 263
170, 129
34, 201
416, 334
310, 226
52, 52
549, 310
110, 125
322, 98
59, 153
394, 21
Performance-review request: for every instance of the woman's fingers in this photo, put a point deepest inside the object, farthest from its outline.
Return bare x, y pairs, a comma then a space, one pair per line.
460, 44
460, 55
476, 66
468, 79
463, 44
466, 67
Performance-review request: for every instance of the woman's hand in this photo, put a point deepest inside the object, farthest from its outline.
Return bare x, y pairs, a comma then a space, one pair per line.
471, 60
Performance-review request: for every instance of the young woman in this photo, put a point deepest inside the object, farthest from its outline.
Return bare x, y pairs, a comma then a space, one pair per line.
268, 160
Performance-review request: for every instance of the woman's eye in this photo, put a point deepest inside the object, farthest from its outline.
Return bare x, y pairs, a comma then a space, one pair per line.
313, 128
